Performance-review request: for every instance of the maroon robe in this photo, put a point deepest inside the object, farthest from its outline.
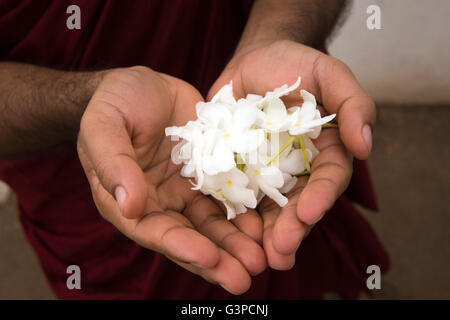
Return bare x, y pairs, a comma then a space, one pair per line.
192, 40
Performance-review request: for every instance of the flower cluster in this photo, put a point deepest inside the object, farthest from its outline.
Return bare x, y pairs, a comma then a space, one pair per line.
240, 151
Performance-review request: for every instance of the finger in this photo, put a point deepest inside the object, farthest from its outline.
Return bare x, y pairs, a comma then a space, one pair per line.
288, 230
275, 259
176, 191
106, 143
340, 93
331, 171
211, 221
250, 223
168, 233
228, 273
173, 235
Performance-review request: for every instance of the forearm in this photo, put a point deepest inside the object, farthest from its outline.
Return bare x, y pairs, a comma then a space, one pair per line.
306, 21
41, 107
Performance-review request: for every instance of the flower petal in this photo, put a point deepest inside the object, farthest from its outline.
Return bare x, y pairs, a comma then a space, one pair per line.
225, 95
240, 195
253, 184
240, 208
199, 177
272, 176
244, 117
223, 156
276, 114
321, 121
246, 141
199, 106
214, 183
293, 163
309, 106
309, 145
209, 167
295, 131
315, 132
231, 211
253, 97
186, 152
237, 177
289, 183
175, 154
185, 132
188, 170
281, 91
209, 139
274, 194
215, 115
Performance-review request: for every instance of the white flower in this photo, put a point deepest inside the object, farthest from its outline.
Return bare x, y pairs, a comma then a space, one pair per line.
291, 160
307, 119
230, 188
268, 180
289, 183
225, 95
274, 116
274, 144
233, 127
281, 91
196, 151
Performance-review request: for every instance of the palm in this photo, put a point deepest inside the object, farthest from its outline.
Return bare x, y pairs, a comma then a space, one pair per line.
263, 70
122, 136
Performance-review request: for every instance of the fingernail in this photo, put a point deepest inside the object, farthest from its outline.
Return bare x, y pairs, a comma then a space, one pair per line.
120, 195
367, 136
225, 288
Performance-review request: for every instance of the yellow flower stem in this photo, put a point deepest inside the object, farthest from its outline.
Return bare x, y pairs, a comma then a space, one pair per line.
239, 162
283, 147
304, 173
330, 125
305, 157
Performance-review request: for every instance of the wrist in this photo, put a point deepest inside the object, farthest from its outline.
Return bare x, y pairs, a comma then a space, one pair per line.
308, 22
82, 86
264, 26
245, 47
41, 107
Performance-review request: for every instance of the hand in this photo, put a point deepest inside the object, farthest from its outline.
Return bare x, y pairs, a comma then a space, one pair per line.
126, 157
263, 68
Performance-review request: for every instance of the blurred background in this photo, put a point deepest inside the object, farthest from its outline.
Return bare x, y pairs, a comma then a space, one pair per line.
405, 67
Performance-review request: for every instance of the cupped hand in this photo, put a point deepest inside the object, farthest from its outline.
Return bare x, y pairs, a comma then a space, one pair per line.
269, 66
126, 157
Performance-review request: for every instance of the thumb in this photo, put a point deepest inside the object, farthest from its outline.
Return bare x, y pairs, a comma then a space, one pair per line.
341, 93
107, 146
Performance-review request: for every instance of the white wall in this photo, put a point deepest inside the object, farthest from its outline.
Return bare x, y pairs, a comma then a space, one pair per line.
408, 59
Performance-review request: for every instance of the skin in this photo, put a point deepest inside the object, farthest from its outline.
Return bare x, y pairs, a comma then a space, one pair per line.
126, 156
337, 90
269, 55
122, 144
